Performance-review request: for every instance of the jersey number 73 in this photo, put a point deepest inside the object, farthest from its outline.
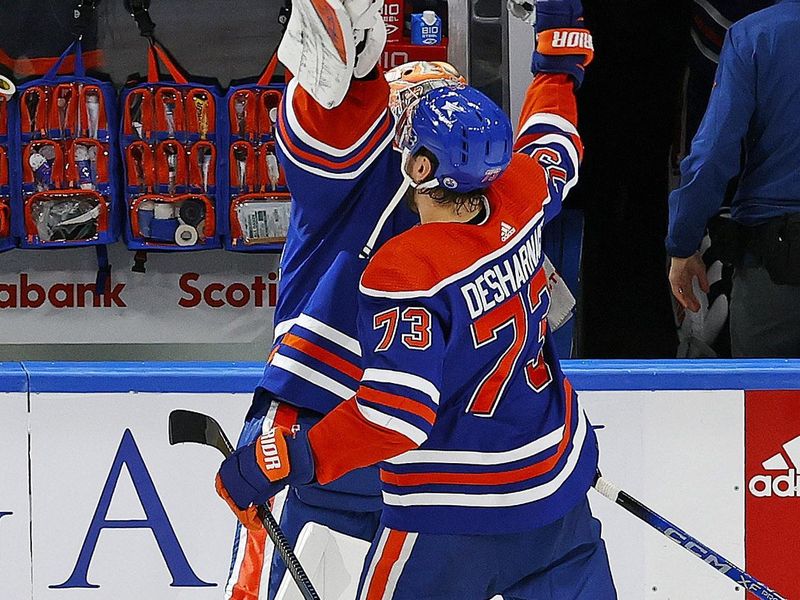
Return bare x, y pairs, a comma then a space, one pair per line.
516, 312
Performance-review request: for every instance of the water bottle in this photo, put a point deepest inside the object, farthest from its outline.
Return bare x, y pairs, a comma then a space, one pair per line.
426, 29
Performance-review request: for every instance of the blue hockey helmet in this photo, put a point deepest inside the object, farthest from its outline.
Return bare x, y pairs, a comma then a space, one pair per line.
470, 136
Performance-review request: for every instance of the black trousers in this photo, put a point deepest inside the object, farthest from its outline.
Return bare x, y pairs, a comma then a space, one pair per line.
765, 317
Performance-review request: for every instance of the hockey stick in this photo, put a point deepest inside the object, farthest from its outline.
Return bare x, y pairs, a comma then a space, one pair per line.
680, 537
188, 426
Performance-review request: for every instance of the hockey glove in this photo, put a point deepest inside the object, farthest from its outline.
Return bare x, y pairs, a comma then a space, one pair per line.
328, 42
563, 45
255, 473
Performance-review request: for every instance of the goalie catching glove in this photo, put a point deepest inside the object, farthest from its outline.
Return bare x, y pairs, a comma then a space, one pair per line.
328, 42
255, 473
563, 44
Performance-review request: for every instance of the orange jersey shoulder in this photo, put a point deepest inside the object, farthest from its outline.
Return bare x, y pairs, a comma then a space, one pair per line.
418, 261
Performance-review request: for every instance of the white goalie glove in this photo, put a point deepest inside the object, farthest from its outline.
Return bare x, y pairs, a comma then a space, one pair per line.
328, 42
524, 10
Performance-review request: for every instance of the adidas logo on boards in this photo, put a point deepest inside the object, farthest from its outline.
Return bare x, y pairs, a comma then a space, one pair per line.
786, 485
506, 231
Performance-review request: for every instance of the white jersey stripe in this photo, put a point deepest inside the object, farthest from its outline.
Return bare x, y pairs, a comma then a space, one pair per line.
375, 559
337, 174
282, 328
321, 329
497, 500
404, 428
465, 457
558, 138
524, 231
233, 577
555, 138
307, 138
312, 376
415, 382
549, 119
399, 565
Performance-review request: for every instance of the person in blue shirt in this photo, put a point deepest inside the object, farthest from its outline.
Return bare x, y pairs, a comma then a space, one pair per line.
750, 130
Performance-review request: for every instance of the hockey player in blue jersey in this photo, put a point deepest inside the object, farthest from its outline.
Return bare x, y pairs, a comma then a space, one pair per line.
334, 138
486, 456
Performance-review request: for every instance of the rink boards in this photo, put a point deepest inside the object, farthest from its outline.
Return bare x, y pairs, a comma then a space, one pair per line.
114, 511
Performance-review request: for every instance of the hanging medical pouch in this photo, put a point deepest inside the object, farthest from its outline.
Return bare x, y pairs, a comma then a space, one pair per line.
170, 139
257, 199
66, 191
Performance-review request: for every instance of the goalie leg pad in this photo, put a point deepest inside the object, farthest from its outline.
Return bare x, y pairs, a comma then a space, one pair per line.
331, 544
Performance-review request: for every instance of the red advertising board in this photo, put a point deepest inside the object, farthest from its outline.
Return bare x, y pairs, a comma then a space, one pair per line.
772, 506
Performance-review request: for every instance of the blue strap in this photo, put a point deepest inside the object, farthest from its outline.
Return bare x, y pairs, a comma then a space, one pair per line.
103, 270
79, 70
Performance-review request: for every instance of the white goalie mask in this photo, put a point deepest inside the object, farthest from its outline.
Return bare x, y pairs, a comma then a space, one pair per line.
411, 81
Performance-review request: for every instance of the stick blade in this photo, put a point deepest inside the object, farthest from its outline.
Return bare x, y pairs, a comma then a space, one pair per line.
186, 426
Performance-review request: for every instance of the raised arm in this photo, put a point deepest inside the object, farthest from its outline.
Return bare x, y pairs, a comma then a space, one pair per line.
334, 122
547, 129
335, 144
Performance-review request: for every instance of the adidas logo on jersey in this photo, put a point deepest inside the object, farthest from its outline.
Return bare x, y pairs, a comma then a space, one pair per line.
506, 231
786, 485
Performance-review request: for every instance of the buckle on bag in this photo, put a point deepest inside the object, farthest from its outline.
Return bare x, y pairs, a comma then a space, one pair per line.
138, 10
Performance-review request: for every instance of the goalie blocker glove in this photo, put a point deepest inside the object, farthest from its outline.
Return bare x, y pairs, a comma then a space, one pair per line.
563, 45
255, 473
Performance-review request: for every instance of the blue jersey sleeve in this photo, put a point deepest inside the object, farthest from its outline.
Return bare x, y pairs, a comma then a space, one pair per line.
403, 345
397, 401
715, 156
316, 360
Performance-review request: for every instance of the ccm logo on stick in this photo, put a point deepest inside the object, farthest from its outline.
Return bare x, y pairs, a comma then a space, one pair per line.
719, 563
237, 294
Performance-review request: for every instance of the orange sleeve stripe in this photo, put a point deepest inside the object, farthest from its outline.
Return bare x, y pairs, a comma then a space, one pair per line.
248, 579
343, 126
552, 93
389, 556
344, 441
398, 402
321, 354
517, 475
286, 416
324, 162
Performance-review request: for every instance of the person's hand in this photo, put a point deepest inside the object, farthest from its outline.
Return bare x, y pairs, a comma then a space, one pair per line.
681, 273
255, 473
